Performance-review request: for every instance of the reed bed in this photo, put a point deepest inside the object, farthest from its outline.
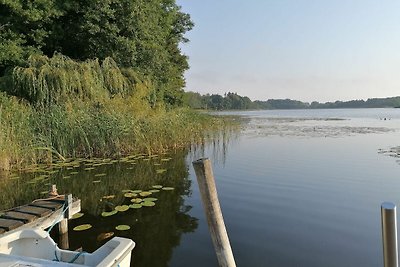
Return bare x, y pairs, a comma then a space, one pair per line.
82, 129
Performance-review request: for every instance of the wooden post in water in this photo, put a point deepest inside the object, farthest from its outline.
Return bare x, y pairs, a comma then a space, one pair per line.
63, 241
389, 235
63, 224
53, 191
216, 225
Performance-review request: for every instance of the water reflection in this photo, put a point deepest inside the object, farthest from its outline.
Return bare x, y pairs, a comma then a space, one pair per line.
156, 230
217, 148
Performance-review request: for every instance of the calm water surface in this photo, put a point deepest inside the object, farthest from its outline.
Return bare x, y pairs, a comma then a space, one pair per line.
297, 188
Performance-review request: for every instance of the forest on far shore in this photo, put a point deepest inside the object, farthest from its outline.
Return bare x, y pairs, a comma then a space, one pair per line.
234, 101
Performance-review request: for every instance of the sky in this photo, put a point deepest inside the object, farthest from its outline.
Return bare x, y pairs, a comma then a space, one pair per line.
308, 50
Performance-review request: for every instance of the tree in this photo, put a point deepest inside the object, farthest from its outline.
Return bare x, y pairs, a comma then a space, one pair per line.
25, 27
138, 34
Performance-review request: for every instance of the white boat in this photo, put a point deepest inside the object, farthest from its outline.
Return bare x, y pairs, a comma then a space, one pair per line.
35, 248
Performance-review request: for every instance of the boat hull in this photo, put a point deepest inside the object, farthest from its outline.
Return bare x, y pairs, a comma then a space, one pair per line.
34, 247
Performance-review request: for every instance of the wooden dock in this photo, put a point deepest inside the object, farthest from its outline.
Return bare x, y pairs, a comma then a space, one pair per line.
41, 213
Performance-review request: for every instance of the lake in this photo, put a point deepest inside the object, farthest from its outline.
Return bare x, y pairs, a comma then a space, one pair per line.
296, 187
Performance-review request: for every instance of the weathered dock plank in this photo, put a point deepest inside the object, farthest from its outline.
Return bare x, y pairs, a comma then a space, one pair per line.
15, 215
53, 205
37, 211
52, 218
38, 214
8, 224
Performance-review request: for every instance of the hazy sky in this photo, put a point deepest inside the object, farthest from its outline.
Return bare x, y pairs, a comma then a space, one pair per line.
322, 50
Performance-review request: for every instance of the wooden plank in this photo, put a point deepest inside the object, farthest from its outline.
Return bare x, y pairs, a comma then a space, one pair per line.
50, 219
37, 211
212, 208
8, 224
46, 204
14, 215
60, 199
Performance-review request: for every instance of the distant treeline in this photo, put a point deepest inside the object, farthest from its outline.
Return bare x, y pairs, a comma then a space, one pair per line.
235, 101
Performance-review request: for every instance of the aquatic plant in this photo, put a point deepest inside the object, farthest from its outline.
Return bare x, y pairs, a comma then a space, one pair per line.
122, 227
82, 227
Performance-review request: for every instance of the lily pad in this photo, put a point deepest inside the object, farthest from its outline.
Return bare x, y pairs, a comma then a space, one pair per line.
122, 208
122, 227
77, 215
145, 193
109, 197
152, 199
154, 190
148, 204
126, 191
136, 191
135, 206
136, 200
160, 171
82, 227
100, 174
109, 213
167, 188
97, 181
157, 186
130, 195
89, 169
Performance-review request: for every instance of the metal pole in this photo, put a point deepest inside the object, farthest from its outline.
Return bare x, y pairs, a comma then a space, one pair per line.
389, 234
216, 225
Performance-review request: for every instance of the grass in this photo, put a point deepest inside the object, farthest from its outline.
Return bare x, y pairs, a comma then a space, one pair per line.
116, 128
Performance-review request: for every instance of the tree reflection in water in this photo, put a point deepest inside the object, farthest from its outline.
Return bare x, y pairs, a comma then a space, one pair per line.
156, 230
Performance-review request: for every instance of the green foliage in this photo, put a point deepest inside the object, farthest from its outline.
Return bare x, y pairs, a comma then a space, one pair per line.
119, 126
24, 29
235, 101
370, 103
143, 35
16, 132
281, 104
93, 78
218, 102
48, 81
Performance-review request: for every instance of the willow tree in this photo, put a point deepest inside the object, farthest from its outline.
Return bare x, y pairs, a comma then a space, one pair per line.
137, 34
143, 35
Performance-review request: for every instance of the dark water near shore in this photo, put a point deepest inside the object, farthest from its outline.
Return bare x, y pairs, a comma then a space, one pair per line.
297, 188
